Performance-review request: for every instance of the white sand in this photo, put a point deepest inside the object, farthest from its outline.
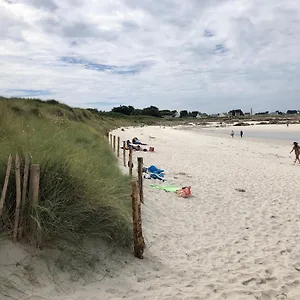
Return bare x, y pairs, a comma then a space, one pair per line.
220, 243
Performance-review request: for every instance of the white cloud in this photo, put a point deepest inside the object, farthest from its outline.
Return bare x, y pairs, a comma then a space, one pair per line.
210, 55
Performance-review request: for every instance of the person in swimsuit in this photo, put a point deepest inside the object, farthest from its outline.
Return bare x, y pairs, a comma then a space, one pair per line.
296, 148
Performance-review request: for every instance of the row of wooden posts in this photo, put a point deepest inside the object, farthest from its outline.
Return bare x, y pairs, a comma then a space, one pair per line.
31, 177
28, 189
137, 193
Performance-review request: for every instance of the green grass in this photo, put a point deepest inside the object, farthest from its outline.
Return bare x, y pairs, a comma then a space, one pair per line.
83, 194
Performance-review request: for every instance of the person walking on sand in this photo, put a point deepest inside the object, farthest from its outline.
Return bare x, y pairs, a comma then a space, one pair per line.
241, 133
296, 148
232, 133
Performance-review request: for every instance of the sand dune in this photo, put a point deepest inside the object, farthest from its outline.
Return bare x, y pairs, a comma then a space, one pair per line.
221, 243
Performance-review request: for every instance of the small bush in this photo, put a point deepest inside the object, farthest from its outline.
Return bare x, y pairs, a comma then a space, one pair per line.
35, 111
18, 110
53, 102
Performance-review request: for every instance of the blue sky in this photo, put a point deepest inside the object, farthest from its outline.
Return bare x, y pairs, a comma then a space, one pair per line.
208, 55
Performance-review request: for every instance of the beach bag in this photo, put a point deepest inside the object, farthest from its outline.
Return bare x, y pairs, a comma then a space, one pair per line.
184, 192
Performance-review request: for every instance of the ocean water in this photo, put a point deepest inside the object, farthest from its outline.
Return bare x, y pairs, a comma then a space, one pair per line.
283, 135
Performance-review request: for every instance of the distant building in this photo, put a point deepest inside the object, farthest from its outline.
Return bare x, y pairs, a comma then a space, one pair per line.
236, 113
177, 114
263, 113
275, 113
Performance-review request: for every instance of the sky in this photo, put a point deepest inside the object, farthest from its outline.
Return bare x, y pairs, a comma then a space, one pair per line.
205, 55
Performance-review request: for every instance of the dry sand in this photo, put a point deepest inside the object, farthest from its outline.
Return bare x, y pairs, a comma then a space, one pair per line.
220, 243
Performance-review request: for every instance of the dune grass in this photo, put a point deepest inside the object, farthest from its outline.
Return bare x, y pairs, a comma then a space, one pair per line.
83, 194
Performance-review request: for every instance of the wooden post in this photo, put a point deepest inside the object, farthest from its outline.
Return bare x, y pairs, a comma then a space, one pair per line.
114, 143
124, 153
140, 178
34, 183
130, 160
110, 139
138, 239
24, 194
4, 189
18, 197
118, 145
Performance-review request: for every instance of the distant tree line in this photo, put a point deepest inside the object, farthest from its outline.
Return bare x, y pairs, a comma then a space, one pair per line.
239, 112
153, 111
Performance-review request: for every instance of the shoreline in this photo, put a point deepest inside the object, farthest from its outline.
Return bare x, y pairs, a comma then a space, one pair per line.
224, 132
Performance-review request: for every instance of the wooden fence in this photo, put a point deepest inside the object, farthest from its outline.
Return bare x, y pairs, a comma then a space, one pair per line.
27, 189
27, 183
137, 193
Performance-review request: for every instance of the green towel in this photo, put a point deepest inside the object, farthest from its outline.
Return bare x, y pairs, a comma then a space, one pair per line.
166, 188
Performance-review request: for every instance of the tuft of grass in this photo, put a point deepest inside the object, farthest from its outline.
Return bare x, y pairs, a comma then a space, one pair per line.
83, 194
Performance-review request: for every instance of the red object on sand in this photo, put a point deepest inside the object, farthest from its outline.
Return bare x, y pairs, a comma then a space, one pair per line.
185, 192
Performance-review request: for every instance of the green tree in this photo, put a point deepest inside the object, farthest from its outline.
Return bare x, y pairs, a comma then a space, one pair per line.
183, 113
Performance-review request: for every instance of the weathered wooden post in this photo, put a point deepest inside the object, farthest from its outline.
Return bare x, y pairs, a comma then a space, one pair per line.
34, 183
138, 239
24, 194
4, 189
118, 145
18, 197
114, 143
110, 139
124, 153
140, 178
130, 160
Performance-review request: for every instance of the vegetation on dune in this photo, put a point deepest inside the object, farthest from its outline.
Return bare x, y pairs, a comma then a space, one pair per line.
83, 194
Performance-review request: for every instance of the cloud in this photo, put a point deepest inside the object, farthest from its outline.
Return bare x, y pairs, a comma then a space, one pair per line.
208, 33
220, 49
27, 93
102, 104
121, 70
209, 55
43, 4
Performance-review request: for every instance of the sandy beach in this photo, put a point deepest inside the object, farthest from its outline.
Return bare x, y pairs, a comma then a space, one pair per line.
221, 243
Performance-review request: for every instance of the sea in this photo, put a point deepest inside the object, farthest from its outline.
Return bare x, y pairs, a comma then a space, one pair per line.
283, 134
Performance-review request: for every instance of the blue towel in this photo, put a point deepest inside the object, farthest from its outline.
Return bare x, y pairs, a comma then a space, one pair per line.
156, 176
155, 170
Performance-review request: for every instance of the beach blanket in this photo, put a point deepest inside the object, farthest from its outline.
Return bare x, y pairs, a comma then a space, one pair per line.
166, 188
183, 192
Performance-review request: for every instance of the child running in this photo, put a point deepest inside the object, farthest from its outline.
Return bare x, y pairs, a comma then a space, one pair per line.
296, 148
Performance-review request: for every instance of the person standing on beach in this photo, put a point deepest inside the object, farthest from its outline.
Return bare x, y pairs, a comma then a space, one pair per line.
296, 148
232, 133
241, 133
